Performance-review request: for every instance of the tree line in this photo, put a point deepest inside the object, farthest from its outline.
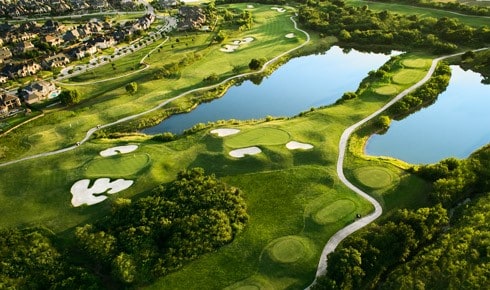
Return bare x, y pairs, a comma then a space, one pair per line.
362, 26
137, 242
450, 6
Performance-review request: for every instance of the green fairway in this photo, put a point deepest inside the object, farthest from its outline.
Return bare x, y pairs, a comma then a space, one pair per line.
335, 211
290, 249
387, 90
408, 76
416, 63
117, 166
374, 177
259, 136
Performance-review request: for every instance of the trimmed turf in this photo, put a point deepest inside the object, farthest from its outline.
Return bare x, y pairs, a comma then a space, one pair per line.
374, 176
259, 136
290, 249
408, 76
387, 90
116, 166
416, 63
334, 212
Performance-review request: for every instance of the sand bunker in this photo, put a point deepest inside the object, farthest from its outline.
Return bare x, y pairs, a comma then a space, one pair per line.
236, 44
290, 35
247, 39
239, 153
82, 194
297, 145
280, 10
224, 132
250, 6
118, 150
229, 48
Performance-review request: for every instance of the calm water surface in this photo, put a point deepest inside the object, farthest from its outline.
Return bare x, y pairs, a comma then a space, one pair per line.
302, 83
455, 126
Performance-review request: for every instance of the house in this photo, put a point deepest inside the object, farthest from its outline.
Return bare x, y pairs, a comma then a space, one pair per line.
37, 91
3, 79
5, 54
51, 26
102, 42
57, 60
8, 102
18, 37
24, 46
71, 35
29, 26
191, 17
82, 51
23, 69
53, 40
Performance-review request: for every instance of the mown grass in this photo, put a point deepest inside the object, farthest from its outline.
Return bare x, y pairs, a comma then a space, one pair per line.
117, 166
408, 76
255, 137
288, 193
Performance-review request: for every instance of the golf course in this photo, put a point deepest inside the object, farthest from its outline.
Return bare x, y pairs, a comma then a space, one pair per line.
304, 178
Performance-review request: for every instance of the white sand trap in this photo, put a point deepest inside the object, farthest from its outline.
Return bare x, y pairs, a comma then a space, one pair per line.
118, 150
229, 48
290, 35
239, 153
247, 39
236, 42
224, 132
280, 10
82, 194
297, 145
250, 6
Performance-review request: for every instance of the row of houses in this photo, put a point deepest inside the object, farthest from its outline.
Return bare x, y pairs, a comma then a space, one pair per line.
20, 8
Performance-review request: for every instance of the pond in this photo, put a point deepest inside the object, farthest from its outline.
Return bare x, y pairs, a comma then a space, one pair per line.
457, 124
298, 85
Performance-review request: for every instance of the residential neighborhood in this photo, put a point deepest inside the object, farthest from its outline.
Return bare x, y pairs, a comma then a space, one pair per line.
27, 49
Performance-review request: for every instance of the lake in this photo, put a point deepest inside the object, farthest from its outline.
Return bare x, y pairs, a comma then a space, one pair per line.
300, 84
457, 124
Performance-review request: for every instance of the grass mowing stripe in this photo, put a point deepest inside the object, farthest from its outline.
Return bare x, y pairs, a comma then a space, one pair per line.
116, 166
259, 136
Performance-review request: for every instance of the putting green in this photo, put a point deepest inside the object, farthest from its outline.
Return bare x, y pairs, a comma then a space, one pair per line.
260, 136
416, 63
408, 76
290, 249
334, 212
387, 90
117, 166
374, 177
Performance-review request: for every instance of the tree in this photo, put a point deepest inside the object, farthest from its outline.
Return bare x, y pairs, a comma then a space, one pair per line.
132, 87
383, 122
256, 64
220, 36
69, 97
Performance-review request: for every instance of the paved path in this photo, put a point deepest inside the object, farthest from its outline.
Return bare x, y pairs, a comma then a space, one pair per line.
335, 240
159, 106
